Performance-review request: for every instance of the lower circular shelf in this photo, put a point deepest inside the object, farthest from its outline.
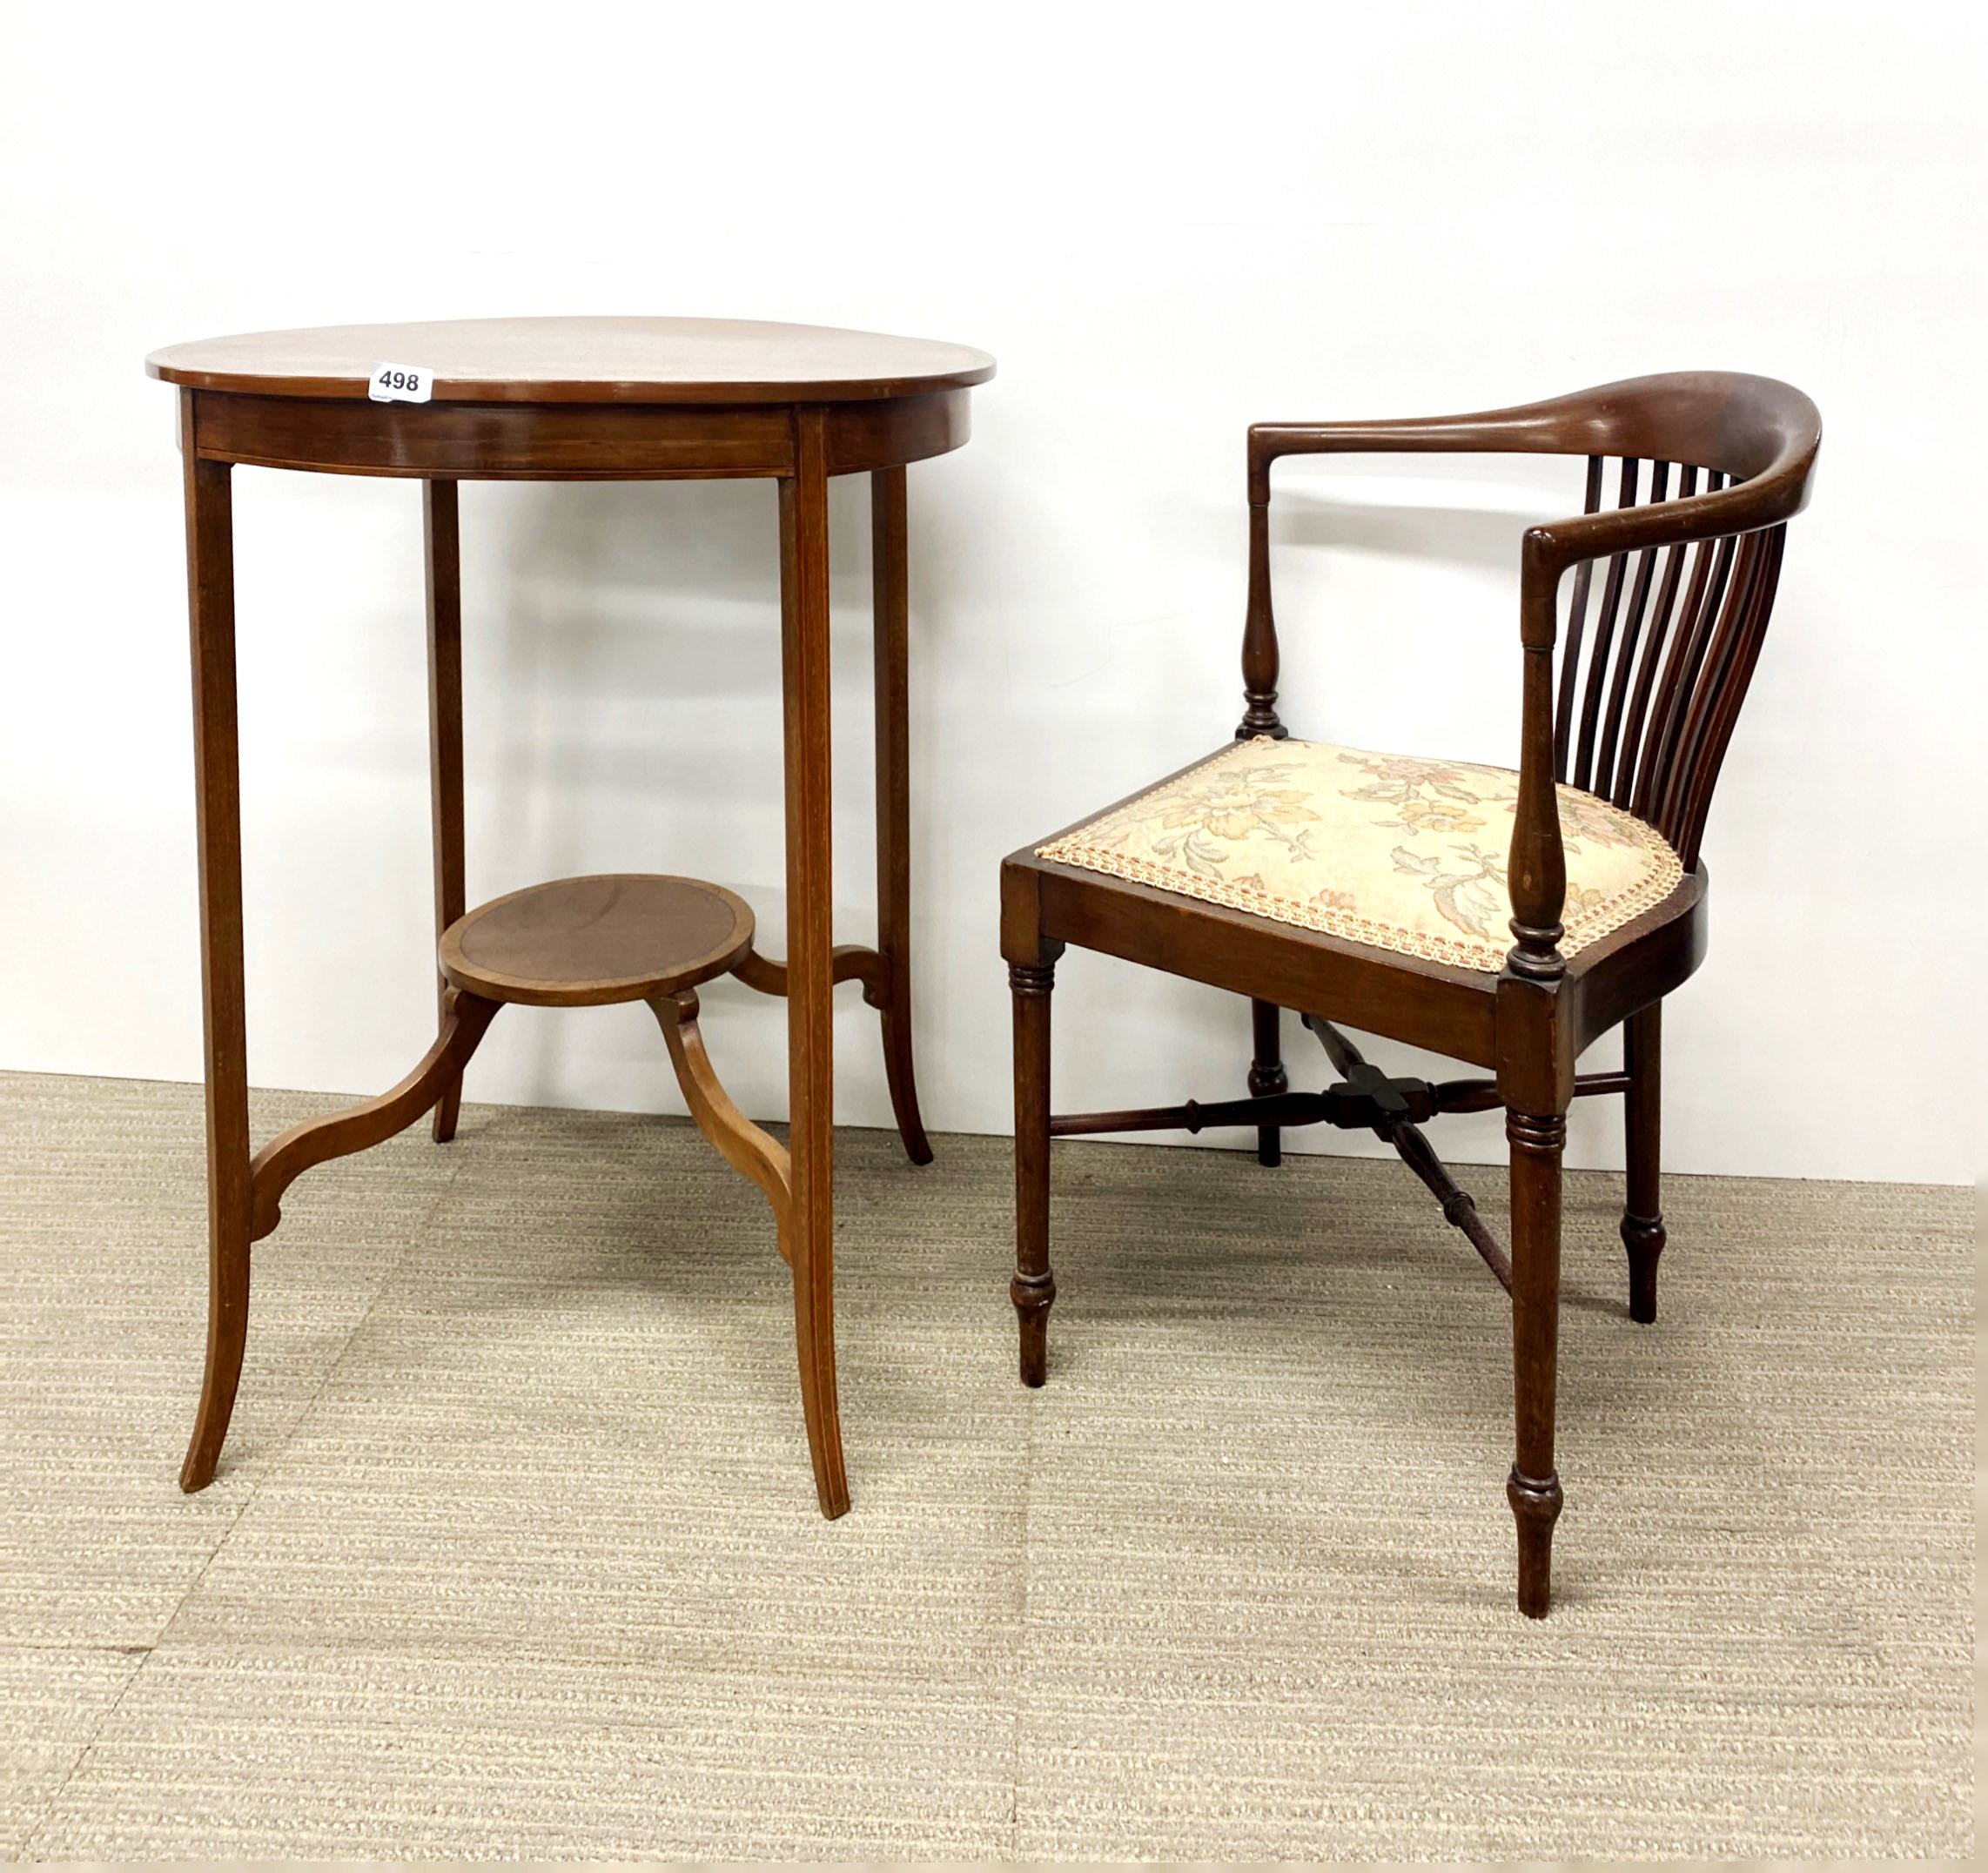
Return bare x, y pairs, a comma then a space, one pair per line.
583, 942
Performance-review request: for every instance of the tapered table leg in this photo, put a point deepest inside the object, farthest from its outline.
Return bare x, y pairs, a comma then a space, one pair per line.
442, 541
217, 771
892, 653
804, 666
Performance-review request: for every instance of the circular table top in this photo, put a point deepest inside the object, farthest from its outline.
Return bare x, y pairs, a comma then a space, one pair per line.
581, 360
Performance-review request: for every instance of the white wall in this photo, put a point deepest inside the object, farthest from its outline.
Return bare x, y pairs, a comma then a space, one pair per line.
1164, 224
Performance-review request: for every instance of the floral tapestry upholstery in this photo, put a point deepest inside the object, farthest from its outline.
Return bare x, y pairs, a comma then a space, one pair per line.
1390, 850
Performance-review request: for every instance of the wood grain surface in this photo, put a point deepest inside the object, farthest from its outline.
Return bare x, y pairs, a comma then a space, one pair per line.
581, 360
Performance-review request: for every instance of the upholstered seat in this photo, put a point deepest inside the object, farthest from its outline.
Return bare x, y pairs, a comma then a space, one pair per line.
1393, 850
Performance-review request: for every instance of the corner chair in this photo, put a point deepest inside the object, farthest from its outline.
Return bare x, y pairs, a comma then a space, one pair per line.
1506, 918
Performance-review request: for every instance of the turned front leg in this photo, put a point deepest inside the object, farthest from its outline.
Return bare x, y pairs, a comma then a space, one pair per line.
1537, 1141
1033, 1289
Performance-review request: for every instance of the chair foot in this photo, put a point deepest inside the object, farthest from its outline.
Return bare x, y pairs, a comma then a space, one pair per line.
1535, 1508
1643, 1237
1033, 1295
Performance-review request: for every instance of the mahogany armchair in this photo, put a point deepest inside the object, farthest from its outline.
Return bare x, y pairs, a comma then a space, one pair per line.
1377, 889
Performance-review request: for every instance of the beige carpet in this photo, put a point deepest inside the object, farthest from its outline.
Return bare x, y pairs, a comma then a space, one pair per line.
514, 1550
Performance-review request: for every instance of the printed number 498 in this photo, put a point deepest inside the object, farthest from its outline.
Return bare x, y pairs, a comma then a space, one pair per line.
400, 383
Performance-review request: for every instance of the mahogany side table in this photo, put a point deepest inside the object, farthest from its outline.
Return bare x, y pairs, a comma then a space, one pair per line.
609, 400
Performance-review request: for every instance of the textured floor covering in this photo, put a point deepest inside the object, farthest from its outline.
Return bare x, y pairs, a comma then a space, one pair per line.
513, 1549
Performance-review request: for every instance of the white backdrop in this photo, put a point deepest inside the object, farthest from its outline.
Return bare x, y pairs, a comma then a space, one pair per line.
1162, 234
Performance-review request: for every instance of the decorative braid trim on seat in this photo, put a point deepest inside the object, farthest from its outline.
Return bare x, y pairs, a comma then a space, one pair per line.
1369, 848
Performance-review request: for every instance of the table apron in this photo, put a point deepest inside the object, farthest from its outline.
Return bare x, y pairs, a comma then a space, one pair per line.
533, 442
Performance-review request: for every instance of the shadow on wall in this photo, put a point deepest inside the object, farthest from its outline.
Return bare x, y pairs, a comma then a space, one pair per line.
1466, 537
1398, 600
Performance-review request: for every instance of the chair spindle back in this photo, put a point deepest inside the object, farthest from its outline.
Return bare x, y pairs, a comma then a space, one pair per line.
1648, 700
